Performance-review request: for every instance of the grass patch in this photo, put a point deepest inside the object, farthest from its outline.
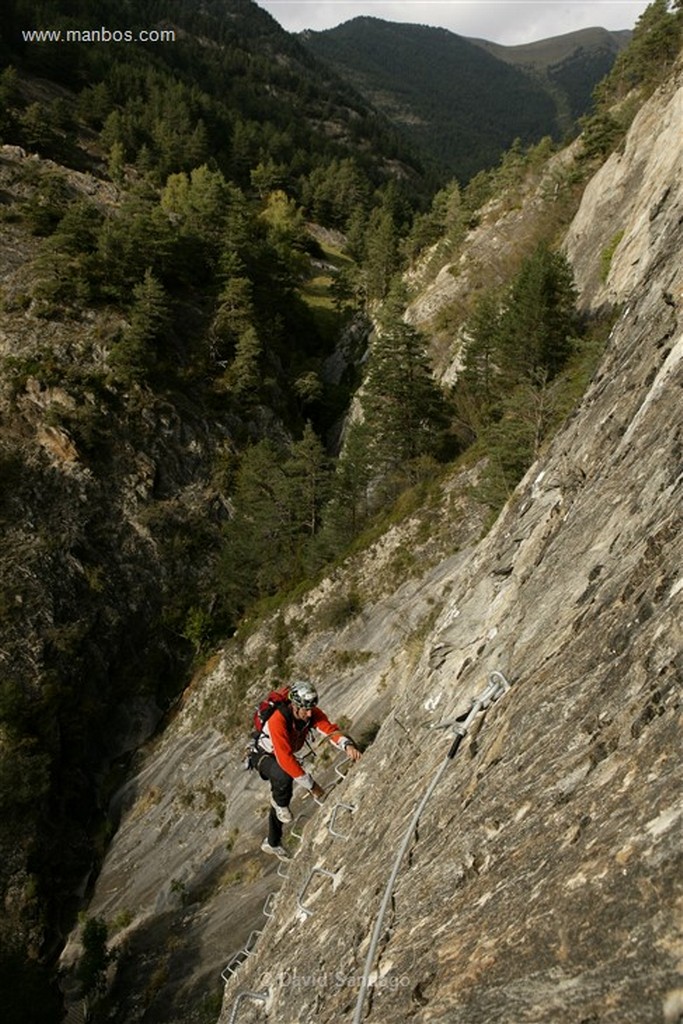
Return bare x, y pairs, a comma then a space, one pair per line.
329, 314
607, 254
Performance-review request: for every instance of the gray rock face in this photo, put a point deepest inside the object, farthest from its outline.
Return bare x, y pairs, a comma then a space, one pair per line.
542, 881
631, 206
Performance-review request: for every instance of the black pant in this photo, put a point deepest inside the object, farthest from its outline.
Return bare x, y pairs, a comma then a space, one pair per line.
281, 785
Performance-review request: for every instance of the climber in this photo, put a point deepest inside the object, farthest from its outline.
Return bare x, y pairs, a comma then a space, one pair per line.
283, 734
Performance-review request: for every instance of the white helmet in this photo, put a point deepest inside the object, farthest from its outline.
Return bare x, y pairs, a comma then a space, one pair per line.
303, 694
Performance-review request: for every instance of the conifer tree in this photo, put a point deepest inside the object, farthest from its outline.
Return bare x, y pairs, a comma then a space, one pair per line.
150, 316
538, 318
480, 375
402, 405
307, 470
275, 501
266, 177
349, 505
654, 46
233, 317
381, 253
244, 375
251, 559
116, 164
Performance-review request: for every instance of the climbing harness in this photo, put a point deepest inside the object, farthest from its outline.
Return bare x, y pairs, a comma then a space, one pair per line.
496, 688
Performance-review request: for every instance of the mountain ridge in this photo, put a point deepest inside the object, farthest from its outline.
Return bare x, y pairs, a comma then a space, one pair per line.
440, 88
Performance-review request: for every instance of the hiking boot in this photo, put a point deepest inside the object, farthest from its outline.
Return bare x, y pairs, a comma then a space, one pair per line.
282, 813
279, 851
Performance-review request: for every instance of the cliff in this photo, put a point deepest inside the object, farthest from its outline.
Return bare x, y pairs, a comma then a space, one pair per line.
543, 878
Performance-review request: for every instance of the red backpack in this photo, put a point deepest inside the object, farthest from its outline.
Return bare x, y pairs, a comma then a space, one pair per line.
276, 699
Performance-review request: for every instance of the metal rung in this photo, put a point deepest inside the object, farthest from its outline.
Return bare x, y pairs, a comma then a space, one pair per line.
300, 816
267, 908
333, 818
236, 960
282, 870
503, 684
314, 871
261, 997
337, 771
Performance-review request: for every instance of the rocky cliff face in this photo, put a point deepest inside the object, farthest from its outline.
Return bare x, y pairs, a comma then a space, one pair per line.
96, 482
542, 882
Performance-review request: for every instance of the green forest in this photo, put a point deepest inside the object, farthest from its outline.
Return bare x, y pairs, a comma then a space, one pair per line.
445, 120
250, 209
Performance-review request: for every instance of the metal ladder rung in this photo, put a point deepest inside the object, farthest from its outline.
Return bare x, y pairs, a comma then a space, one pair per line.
238, 958
345, 761
235, 961
251, 941
259, 996
300, 816
333, 819
314, 871
267, 906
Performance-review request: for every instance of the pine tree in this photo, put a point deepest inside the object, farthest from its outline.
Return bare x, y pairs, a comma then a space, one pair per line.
538, 318
266, 177
243, 377
308, 472
654, 46
259, 550
402, 405
349, 507
37, 129
234, 316
116, 164
381, 253
480, 375
150, 316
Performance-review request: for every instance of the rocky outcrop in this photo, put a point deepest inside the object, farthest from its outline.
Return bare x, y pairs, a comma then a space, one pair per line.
184, 862
98, 481
635, 198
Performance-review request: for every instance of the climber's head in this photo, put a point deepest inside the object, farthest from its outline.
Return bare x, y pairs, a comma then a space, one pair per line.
303, 695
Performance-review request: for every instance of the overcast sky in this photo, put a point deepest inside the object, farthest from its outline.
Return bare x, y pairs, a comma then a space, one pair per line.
499, 21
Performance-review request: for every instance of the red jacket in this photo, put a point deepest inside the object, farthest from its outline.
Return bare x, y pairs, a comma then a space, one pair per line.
281, 737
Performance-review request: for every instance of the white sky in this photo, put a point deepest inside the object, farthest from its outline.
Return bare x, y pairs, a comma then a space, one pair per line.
500, 21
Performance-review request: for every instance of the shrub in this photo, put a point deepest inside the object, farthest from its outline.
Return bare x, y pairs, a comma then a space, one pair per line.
340, 610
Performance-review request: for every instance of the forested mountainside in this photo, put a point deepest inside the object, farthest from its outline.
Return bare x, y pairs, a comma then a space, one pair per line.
441, 87
570, 66
161, 315
228, 84
189, 324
